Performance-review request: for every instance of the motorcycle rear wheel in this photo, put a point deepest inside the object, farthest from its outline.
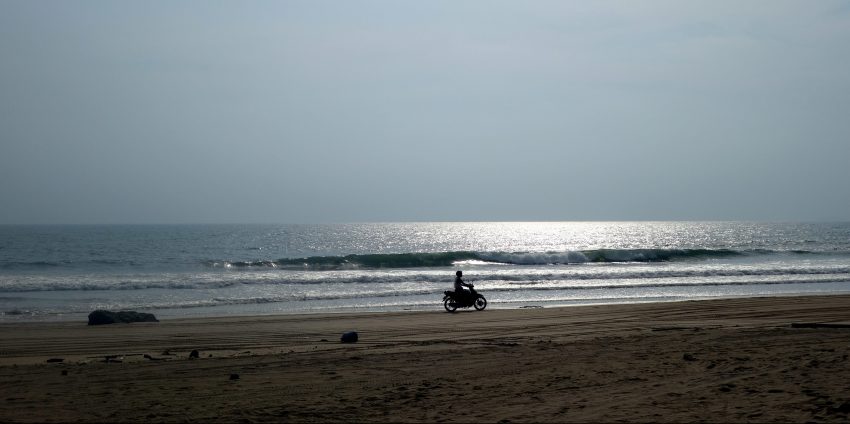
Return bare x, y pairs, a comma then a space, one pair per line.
450, 305
480, 303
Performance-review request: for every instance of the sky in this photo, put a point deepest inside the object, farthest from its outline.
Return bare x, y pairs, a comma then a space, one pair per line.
366, 111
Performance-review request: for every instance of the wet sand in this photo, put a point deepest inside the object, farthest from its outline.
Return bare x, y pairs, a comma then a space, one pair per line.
732, 360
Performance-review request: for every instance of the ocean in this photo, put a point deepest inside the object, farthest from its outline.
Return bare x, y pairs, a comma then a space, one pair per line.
64, 272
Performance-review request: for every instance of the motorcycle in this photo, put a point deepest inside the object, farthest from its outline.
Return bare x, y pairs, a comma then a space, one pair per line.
451, 301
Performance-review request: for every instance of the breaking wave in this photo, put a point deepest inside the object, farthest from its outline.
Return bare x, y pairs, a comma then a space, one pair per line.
419, 260
445, 259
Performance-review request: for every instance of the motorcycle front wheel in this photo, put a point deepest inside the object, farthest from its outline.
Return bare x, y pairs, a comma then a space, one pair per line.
450, 304
480, 303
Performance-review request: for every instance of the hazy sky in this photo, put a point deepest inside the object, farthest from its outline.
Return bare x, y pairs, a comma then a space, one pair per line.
327, 111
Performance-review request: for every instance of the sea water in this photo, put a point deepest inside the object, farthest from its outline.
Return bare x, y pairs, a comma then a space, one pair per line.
65, 272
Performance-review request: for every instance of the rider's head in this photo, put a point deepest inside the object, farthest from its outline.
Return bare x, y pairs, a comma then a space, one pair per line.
459, 273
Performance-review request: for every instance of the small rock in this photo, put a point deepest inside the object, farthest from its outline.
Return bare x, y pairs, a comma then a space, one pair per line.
234, 376
843, 408
727, 387
64, 372
55, 359
194, 354
349, 337
689, 357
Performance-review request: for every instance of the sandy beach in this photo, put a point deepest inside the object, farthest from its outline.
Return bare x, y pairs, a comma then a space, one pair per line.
732, 360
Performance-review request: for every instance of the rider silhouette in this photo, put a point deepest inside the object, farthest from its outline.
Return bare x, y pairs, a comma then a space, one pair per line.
459, 284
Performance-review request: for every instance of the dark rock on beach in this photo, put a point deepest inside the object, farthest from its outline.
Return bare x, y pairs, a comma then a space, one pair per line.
101, 317
349, 337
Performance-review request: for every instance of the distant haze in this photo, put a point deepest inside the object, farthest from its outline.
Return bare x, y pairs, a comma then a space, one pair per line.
346, 111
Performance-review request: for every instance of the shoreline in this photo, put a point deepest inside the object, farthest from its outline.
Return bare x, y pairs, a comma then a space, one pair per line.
166, 315
732, 359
